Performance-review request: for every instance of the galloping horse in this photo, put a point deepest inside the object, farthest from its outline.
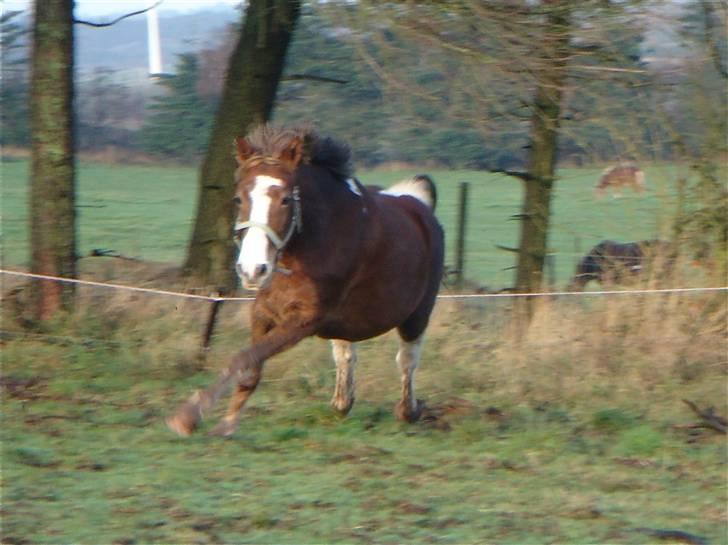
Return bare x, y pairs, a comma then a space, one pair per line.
612, 262
618, 176
328, 257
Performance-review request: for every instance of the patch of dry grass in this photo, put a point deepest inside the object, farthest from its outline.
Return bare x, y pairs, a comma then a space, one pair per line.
643, 351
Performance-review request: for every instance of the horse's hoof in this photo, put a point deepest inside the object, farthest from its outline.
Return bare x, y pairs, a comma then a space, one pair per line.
343, 407
176, 424
223, 429
185, 420
406, 413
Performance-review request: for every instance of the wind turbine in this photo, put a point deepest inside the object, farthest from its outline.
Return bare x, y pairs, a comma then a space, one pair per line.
154, 44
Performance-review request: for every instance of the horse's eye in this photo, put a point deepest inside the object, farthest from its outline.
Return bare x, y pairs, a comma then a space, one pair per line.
285, 201
237, 200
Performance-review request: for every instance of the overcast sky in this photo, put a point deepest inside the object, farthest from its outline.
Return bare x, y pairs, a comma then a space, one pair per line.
100, 8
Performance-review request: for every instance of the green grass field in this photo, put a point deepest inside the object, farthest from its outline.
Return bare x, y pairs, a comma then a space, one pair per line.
556, 441
574, 432
147, 212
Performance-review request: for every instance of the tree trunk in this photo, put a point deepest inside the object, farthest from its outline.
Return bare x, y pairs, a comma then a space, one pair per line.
52, 185
254, 71
545, 117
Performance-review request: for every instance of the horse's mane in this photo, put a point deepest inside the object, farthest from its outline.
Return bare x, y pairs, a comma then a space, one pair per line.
325, 152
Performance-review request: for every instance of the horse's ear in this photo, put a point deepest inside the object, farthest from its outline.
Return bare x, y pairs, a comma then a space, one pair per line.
243, 149
293, 153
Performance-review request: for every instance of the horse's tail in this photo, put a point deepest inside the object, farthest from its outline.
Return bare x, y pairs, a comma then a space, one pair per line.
420, 186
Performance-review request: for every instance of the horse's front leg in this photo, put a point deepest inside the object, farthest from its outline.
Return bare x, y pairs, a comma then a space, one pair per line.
247, 379
345, 359
245, 369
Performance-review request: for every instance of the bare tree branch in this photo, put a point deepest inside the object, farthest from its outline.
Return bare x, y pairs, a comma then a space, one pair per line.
312, 77
674, 535
525, 176
710, 40
708, 417
121, 18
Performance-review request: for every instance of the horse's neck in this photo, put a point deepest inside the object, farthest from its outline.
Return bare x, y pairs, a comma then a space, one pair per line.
329, 215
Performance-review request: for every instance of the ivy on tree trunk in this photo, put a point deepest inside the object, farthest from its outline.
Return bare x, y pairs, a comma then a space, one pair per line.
52, 185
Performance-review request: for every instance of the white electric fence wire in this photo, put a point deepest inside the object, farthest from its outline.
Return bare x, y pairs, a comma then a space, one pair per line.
155, 291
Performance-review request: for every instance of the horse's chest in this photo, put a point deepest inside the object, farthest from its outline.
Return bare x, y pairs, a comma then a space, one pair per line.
288, 301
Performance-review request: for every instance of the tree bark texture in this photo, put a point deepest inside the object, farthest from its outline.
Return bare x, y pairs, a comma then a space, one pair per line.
545, 117
251, 83
53, 178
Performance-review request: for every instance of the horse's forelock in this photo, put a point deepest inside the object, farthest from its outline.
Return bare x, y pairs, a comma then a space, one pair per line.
272, 141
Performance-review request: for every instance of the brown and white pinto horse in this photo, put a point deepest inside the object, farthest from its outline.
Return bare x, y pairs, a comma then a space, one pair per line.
328, 257
619, 176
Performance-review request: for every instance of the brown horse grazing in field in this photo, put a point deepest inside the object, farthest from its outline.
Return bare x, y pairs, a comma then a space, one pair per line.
328, 257
613, 262
619, 176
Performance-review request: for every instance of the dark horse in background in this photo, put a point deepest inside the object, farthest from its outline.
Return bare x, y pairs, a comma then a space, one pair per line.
612, 262
328, 257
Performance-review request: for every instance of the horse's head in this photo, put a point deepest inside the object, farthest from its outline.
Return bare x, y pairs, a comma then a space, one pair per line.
269, 209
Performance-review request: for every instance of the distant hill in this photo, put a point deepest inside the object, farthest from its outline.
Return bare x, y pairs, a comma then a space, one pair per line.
123, 46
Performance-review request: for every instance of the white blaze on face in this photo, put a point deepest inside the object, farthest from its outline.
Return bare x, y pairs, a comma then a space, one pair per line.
255, 250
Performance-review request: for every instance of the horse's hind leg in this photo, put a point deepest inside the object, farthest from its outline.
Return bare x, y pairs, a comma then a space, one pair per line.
408, 358
411, 335
345, 359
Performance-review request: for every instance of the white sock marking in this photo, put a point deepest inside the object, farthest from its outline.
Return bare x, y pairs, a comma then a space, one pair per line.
345, 358
408, 358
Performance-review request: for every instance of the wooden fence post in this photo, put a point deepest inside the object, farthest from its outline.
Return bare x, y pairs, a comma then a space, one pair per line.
460, 242
577, 251
551, 270
210, 327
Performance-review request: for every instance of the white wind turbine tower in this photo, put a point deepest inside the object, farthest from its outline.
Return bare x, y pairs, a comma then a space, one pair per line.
154, 44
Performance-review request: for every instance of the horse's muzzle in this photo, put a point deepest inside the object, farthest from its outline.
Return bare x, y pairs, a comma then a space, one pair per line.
258, 278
